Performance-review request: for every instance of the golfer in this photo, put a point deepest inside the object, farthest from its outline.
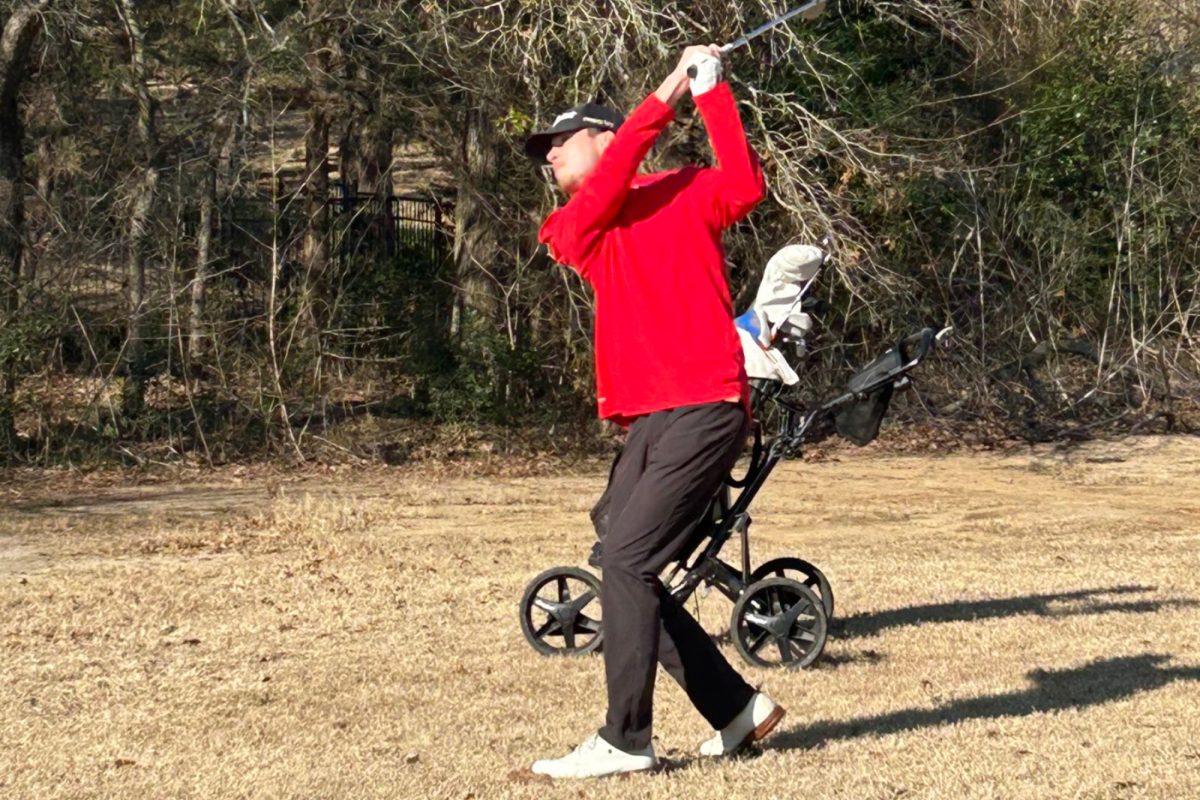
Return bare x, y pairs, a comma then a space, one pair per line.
669, 368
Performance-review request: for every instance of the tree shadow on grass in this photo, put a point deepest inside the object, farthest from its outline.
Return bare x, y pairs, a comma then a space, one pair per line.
1101, 681
1080, 602
213, 498
1057, 604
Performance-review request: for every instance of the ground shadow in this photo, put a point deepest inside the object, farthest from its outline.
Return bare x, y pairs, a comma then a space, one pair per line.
1093, 684
1086, 601
1081, 602
222, 497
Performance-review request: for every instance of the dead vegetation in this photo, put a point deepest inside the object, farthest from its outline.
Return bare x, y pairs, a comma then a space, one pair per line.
1015, 625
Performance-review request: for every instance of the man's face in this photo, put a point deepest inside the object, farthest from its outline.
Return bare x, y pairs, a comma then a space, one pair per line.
574, 154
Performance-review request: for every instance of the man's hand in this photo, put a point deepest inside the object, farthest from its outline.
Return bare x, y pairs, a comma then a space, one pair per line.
678, 82
704, 72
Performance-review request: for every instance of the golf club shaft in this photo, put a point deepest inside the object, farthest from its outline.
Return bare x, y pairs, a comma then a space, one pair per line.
810, 9
814, 7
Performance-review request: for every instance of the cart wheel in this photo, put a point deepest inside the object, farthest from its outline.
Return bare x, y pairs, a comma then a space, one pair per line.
779, 622
800, 571
560, 612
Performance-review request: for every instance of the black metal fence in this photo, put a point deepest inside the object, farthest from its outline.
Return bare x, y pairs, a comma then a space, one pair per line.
362, 226
259, 228
259, 233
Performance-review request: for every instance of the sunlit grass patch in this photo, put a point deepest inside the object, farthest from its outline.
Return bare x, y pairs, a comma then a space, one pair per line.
1000, 633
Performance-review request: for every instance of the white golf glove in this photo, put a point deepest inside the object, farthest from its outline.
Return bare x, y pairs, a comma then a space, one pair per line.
705, 73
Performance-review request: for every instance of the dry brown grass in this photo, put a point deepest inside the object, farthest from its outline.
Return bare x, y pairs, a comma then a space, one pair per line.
1019, 626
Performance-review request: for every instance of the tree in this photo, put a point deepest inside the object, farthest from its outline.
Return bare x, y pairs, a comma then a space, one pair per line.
227, 110
140, 206
20, 28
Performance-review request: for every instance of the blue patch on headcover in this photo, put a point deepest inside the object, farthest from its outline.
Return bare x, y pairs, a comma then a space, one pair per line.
749, 322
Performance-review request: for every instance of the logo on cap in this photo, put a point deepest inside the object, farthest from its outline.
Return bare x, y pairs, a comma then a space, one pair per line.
565, 116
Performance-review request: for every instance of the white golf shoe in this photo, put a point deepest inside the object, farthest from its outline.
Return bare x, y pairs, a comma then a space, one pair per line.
751, 724
596, 758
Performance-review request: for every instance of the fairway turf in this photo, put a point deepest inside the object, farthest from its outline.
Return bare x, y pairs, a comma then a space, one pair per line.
1021, 625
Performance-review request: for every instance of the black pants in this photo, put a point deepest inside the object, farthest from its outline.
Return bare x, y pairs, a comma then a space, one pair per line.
672, 465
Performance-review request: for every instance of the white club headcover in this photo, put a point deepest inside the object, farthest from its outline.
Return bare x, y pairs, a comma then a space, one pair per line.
786, 273
795, 263
708, 73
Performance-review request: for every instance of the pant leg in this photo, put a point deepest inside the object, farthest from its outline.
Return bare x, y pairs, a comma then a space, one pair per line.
691, 657
717, 692
692, 451
616, 495
600, 512
623, 476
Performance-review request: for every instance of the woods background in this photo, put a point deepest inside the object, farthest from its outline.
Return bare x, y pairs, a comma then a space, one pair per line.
232, 228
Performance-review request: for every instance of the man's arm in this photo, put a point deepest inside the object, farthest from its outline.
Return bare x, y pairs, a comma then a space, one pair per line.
730, 190
571, 231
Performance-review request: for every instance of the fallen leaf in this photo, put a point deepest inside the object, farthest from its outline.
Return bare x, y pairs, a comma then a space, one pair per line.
527, 775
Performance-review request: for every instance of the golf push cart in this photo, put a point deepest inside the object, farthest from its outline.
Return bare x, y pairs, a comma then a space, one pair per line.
781, 608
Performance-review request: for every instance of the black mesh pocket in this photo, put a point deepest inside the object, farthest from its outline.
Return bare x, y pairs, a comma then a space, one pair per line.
859, 420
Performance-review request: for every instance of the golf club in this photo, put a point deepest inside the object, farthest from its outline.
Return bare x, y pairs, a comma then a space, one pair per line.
810, 10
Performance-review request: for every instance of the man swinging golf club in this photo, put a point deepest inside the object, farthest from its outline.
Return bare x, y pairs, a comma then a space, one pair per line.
669, 367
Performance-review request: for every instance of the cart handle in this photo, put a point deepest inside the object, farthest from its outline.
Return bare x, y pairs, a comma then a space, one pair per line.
926, 339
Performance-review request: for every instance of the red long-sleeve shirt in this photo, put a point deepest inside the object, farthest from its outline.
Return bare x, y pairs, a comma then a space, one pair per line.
650, 246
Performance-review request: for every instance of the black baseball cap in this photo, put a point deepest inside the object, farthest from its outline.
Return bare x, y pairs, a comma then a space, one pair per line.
585, 115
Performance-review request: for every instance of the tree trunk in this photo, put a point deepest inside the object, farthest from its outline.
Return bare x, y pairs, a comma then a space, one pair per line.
133, 393
378, 140
216, 190
475, 240
40, 221
348, 157
477, 244
208, 199
12, 228
315, 252
315, 249
20, 29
